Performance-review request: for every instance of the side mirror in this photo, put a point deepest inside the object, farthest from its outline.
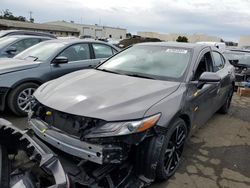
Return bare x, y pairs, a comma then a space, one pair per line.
11, 50
60, 60
208, 78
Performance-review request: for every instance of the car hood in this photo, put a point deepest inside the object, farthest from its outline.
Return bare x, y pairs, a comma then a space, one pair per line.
242, 65
102, 95
11, 65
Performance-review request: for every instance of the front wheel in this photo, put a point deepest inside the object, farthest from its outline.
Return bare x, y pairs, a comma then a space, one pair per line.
172, 150
19, 98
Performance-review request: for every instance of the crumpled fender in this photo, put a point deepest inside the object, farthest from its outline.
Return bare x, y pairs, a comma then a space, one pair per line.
15, 138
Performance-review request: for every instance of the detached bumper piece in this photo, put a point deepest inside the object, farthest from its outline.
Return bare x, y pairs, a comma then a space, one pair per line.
67, 169
14, 139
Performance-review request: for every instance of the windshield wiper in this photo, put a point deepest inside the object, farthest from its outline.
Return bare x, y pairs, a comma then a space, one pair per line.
134, 75
140, 76
105, 70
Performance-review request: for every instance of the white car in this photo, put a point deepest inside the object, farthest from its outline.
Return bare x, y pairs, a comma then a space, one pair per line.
219, 45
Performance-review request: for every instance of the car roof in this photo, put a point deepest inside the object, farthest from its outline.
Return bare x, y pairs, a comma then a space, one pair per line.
74, 41
239, 50
175, 44
25, 32
27, 36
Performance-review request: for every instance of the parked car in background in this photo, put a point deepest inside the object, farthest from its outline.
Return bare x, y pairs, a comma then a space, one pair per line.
219, 45
4, 33
13, 45
134, 40
135, 109
21, 75
240, 59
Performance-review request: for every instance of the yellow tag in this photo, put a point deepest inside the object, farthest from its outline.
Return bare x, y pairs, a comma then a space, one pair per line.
43, 131
196, 93
48, 113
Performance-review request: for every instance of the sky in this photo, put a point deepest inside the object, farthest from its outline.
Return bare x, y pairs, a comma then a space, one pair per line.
228, 19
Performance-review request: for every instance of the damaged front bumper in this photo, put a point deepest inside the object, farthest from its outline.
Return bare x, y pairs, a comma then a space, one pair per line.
60, 161
99, 154
15, 139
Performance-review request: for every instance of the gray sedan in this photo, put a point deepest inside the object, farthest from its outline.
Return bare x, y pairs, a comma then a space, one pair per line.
139, 106
21, 75
124, 123
12, 45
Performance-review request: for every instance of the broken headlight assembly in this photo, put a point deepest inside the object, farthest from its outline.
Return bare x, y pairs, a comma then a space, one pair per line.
124, 127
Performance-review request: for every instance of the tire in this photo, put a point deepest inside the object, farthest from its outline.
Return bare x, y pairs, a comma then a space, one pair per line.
225, 107
172, 150
19, 98
4, 168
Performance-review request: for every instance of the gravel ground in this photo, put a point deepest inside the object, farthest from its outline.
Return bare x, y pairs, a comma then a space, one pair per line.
218, 155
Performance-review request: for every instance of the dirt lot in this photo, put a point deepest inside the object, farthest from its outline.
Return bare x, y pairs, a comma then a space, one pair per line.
218, 155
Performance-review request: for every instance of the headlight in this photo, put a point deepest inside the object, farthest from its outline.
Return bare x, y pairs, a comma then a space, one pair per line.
124, 128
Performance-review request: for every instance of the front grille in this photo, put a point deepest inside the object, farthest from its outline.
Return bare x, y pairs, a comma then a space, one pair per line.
248, 78
77, 126
239, 78
238, 70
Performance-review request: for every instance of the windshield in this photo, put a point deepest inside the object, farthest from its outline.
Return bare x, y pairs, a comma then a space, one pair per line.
40, 52
243, 57
156, 62
6, 41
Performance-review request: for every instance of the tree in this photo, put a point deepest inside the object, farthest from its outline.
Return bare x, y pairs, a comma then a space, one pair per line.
221, 40
6, 14
128, 35
182, 39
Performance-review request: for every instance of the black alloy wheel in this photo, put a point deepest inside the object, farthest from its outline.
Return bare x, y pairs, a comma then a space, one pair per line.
172, 150
225, 107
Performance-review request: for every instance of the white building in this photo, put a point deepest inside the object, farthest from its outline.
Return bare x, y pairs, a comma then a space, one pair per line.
95, 31
244, 41
60, 31
172, 37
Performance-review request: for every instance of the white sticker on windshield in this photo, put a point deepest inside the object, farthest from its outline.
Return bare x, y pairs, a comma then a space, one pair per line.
180, 51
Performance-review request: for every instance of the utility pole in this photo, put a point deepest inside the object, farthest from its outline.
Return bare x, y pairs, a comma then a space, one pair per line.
30, 13
31, 19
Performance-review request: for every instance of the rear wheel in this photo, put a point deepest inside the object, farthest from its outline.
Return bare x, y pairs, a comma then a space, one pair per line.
19, 98
4, 168
224, 109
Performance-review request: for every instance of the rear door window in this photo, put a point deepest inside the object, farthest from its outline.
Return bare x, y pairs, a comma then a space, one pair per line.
25, 43
219, 61
102, 51
77, 52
